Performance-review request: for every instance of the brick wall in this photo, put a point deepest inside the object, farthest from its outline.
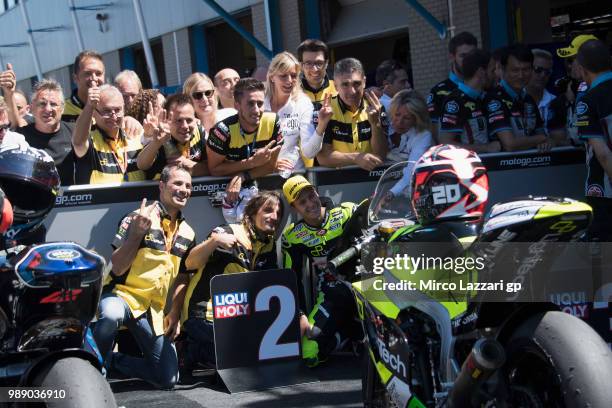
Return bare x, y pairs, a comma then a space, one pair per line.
184, 54
429, 54
290, 25
258, 16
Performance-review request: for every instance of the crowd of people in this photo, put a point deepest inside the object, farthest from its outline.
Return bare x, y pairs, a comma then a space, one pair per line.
299, 117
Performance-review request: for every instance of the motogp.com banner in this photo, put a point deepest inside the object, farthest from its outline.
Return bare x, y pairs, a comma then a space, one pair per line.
492, 271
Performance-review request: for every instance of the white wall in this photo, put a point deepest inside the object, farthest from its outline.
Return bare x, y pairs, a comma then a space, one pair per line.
58, 49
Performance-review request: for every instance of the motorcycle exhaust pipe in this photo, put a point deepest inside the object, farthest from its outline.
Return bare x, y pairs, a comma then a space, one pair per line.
486, 357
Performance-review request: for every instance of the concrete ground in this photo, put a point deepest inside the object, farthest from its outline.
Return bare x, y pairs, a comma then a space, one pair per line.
339, 385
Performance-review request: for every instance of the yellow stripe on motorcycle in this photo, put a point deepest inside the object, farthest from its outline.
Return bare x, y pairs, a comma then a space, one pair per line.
376, 298
383, 372
553, 210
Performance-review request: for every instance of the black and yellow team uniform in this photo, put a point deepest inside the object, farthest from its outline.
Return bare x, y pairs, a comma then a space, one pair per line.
228, 139
517, 113
197, 308
348, 132
160, 258
464, 116
562, 113
194, 150
318, 95
594, 121
108, 160
72, 108
437, 95
334, 308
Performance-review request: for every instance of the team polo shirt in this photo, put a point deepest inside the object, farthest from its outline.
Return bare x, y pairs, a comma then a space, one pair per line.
109, 161
562, 114
516, 112
72, 108
464, 116
194, 150
437, 95
228, 139
594, 121
160, 258
318, 95
239, 259
348, 132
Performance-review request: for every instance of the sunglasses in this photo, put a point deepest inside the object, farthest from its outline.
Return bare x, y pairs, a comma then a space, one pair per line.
199, 95
539, 70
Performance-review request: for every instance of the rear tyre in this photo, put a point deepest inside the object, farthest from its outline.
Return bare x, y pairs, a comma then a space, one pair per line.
557, 360
84, 385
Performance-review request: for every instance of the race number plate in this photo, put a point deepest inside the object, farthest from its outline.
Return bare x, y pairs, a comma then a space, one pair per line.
257, 339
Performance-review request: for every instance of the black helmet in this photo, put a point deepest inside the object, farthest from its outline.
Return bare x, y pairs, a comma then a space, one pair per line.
30, 181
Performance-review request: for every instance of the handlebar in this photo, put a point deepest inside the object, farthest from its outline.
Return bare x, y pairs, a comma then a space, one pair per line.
348, 254
342, 258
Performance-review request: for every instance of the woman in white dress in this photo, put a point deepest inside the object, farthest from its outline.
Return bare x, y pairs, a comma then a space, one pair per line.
284, 96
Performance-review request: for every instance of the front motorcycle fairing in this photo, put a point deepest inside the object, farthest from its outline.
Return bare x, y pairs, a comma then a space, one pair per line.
387, 347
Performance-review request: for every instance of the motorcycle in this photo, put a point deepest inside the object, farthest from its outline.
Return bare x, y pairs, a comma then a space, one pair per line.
49, 295
427, 350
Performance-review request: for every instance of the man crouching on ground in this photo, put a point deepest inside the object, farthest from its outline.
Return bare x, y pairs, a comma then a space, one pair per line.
151, 247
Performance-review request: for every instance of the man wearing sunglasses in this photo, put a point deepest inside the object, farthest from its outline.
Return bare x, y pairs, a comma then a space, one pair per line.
542, 69
104, 154
562, 121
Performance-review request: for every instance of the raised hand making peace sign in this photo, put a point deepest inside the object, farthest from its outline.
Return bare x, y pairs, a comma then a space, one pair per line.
141, 221
157, 124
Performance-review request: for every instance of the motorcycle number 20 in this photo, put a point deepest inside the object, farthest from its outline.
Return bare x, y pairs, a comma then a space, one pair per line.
269, 347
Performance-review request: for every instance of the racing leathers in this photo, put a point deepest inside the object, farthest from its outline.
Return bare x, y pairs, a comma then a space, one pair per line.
334, 306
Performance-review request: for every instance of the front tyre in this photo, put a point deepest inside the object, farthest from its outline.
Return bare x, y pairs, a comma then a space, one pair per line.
84, 385
557, 360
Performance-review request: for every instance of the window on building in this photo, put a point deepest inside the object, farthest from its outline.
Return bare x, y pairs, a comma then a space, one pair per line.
227, 48
140, 63
373, 51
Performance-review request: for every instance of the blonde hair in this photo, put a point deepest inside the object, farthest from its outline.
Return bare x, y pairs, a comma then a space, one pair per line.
282, 63
415, 103
194, 80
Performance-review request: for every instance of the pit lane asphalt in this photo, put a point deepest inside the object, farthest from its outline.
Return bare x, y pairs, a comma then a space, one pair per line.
339, 386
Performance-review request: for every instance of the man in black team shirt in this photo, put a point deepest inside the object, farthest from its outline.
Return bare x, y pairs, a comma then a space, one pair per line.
458, 47
464, 115
49, 132
594, 122
513, 115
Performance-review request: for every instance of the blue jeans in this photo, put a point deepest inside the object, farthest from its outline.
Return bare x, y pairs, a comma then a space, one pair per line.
200, 342
160, 363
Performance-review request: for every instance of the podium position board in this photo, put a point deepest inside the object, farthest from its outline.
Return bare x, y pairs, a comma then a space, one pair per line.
257, 334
